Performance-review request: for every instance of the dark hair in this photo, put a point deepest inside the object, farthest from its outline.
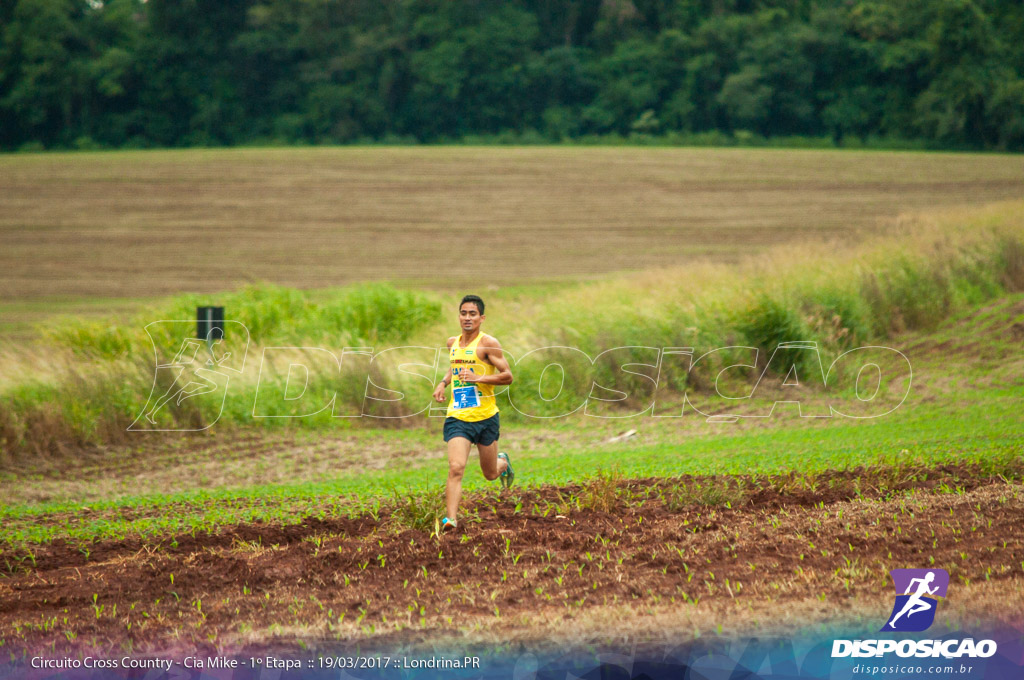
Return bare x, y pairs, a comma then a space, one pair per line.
475, 299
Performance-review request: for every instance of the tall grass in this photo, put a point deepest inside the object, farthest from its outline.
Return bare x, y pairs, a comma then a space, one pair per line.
73, 408
88, 381
273, 315
926, 269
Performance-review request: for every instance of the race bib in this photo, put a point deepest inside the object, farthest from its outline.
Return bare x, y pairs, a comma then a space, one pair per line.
465, 397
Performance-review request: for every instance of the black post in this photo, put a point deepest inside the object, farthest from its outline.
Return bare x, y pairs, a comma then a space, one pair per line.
210, 323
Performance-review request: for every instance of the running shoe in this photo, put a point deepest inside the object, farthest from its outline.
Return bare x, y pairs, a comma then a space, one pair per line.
448, 524
508, 476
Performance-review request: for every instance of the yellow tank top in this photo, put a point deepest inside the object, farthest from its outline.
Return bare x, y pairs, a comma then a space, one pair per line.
470, 402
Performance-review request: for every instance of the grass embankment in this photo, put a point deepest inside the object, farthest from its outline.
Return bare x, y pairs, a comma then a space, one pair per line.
93, 379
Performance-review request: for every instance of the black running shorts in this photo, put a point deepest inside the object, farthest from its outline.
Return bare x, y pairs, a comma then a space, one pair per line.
482, 432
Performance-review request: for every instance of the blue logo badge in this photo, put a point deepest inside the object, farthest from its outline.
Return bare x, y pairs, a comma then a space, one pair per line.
916, 592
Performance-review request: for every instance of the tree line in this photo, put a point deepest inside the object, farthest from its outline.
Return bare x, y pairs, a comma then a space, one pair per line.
170, 73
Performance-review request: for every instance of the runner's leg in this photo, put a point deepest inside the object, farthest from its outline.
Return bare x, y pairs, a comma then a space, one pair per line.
490, 464
458, 454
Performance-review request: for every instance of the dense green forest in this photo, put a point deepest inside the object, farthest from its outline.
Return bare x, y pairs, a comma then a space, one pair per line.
142, 73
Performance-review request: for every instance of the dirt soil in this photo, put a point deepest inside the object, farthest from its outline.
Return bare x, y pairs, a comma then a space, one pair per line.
545, 566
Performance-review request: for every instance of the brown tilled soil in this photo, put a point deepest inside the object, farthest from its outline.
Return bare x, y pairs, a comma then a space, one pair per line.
617, 558
127, 225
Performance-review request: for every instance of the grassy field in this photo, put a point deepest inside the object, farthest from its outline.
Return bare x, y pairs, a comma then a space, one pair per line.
964, 408
78, 230
305, 533
985, 433
86, 383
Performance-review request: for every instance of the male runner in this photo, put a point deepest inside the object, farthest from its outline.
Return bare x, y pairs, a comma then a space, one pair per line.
477, 365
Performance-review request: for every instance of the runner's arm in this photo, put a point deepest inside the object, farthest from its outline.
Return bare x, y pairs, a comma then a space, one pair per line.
442, 387
445, 381
495, 357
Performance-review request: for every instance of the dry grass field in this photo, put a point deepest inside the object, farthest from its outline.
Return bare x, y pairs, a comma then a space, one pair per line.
83, 232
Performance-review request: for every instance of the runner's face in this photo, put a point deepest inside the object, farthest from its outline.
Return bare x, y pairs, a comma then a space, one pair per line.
470, 318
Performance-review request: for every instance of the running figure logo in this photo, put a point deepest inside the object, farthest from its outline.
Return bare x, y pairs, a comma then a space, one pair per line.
205, 375
185, 368
916, 591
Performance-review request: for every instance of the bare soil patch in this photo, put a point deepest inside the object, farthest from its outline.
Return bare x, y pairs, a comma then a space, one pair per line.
538, 565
